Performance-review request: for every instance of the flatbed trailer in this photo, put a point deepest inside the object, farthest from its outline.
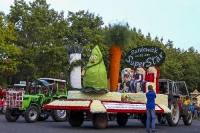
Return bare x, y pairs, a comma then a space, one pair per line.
110, 106
99, 111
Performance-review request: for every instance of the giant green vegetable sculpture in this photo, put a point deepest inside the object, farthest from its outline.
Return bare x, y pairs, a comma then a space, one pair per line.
95, 77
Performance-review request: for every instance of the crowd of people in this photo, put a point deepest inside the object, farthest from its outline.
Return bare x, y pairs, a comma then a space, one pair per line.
195, 110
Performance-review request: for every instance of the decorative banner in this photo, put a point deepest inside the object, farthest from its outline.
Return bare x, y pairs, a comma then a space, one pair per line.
127, 107
145, 56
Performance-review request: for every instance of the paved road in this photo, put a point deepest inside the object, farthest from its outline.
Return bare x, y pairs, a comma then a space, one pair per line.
49, 126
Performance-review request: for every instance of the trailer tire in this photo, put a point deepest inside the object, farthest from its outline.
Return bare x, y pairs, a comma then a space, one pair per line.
122, 119
187, 119
173, 117
100, 120
76, 119
10, 116
31, 114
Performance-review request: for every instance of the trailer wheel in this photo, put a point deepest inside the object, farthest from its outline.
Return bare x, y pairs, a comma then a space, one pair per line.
187, 119
161, 118
100, 120
59, 115
10, 115
173, 117
122, 119
31, 114
76, 119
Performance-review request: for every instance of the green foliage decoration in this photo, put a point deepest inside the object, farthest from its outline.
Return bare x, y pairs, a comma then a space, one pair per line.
72, 49
69, 68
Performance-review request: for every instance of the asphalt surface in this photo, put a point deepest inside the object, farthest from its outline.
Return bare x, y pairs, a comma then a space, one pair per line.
49, 126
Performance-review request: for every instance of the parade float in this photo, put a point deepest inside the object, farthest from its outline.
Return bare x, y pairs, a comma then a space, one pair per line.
98, 103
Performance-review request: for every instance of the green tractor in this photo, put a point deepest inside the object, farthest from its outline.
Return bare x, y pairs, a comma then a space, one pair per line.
30, 106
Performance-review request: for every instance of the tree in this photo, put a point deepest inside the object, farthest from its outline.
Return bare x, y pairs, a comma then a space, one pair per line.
42, 38
190, 66
9, 52
86, 31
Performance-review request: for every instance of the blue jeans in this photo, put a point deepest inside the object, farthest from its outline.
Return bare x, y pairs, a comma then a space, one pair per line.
133, 86
143, 85
151, 115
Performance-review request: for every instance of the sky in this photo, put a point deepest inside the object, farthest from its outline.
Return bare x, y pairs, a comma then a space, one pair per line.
175, 20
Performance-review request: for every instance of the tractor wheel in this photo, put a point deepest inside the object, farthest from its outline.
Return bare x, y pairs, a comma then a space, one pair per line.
122, 119
76, 119
161, 118
31, 114
43, 117
173, 117
59, 115
187, 119
10, 115
100, 120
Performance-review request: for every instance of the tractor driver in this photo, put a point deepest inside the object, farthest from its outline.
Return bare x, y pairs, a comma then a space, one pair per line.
187, 100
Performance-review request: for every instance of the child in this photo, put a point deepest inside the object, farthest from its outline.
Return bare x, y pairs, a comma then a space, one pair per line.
126, 83
150, 107
137, 78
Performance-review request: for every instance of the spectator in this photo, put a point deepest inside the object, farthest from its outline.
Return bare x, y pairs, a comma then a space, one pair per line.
1, 105
150, 107
192, 109
195, 111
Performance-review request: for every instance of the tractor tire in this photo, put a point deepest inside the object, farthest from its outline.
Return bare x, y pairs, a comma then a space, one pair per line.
161, 118
10, 115
43, 117
59, 115
76, 119
31, 114
173, 117
187, 119
100, 120
122, 119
